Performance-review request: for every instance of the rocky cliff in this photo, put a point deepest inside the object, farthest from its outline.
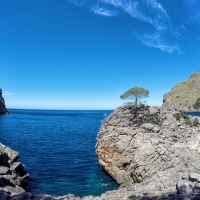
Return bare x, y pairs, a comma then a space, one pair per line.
150, 148
183, 95
3, 109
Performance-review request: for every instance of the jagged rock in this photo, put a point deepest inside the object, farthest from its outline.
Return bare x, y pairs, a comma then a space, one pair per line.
4, 170
184, 188
3, 109
148, 144
194, 177
183, 95
43, 197
13, 190
12, 173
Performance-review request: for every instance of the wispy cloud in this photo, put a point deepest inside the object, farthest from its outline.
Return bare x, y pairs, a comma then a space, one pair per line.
104, 12
170, 24
155, 40
7, 93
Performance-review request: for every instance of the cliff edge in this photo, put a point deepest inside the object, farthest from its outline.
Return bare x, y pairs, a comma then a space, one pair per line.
183, 95
3, 109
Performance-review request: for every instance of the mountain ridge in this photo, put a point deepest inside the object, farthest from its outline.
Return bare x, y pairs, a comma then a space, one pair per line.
183, 95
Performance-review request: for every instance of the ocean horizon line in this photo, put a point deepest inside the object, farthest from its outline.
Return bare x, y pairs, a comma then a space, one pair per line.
55, 109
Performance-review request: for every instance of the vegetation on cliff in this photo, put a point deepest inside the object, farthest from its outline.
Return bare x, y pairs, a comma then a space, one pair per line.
197, 104
184, 95
135, 94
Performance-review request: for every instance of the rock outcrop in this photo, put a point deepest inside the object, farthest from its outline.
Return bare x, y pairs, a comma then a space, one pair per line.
183, 95
151, 147
3, 109
12, 173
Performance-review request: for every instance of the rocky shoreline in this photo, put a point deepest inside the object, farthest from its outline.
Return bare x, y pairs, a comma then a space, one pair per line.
153, 153
12, 173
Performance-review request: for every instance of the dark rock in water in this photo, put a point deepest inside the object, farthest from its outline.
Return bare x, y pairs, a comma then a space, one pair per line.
3, 109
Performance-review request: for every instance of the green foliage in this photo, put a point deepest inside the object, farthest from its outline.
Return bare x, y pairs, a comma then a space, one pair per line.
130, 103
177, 116
2, 101
180, 115
185, 116
197, 104
153, 119
196, 122
188, 122
135, 94
139, 105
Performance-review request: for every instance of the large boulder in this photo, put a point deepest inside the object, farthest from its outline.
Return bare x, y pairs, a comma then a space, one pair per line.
149, 145
183, 95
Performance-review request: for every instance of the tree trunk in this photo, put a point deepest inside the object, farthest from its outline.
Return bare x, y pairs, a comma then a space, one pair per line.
136, 101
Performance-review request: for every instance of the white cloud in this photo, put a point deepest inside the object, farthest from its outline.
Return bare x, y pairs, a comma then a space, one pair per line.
7, 93
167, 36
148, 11
154, 40
104, 12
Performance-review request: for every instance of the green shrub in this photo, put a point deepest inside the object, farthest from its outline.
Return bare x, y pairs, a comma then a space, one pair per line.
186, 118
153, 119
197, 104
177, 116
196, 122
188, 122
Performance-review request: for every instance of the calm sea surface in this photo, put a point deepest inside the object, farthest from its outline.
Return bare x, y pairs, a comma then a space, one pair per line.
58, 150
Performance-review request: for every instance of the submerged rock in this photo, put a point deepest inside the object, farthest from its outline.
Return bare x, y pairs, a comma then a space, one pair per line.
3, 109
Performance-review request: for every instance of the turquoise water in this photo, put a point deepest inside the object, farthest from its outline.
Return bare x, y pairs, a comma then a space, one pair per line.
58, 150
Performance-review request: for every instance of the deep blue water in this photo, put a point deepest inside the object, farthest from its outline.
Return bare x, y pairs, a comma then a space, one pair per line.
193, 113
58, 150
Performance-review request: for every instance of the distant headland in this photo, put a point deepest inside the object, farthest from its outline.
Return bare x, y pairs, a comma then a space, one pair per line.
3, 109
185, 95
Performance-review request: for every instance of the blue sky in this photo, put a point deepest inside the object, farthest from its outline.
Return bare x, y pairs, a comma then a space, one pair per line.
83, 54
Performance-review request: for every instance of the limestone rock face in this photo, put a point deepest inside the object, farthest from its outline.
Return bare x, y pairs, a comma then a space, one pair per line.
3, 109
148, 145
183, 95
12, 173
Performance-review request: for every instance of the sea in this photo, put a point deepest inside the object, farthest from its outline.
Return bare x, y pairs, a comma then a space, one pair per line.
57, 148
